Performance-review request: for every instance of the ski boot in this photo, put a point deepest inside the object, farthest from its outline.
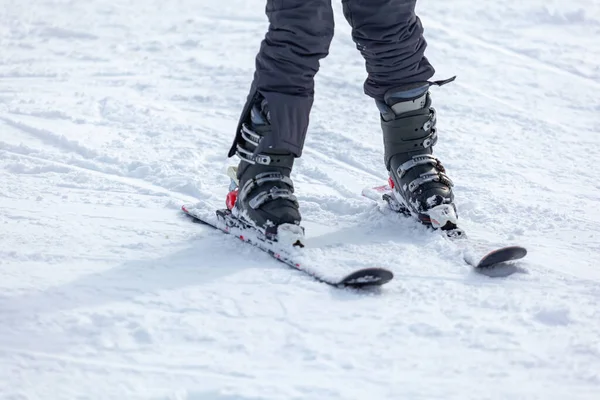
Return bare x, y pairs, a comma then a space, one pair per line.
261, 193
420, 186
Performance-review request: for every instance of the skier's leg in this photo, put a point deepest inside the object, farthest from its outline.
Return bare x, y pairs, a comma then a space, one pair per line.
273, 124
390, 37
299, 35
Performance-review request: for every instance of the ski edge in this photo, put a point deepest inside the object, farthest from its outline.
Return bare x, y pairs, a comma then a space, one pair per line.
358, 279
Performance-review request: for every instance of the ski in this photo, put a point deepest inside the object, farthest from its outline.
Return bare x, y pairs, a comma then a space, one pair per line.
224, 221
494, 263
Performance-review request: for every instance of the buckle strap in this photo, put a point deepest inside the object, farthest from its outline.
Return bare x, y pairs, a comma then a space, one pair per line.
429, 126
246, 150
263, 178
430, 177
252, 158
432, 120
274, 160
274, 193
442, 82
250, 136
251, 140
419, 160
409, 134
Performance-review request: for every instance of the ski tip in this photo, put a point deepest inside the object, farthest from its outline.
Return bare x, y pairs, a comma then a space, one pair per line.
375, 193
505, 254
367, 277
188, 209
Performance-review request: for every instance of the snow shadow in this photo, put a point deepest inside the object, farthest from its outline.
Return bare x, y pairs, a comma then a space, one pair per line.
200, 263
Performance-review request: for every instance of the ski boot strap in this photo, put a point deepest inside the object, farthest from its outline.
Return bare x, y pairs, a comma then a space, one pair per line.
409, 134
251, 140
264, 196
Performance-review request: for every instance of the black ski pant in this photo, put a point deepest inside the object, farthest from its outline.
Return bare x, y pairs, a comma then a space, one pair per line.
387, 33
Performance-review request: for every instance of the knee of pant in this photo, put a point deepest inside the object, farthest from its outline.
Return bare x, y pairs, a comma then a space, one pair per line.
306, 25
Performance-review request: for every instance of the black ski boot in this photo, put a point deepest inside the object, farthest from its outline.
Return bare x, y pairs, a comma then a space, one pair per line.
265, 199
418, 179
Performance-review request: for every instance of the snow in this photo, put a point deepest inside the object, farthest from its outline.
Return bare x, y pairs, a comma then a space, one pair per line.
114, 114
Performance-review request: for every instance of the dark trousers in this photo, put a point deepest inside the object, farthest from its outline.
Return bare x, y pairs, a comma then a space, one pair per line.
387, 33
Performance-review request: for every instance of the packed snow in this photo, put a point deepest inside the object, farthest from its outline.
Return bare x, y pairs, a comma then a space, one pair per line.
114, 114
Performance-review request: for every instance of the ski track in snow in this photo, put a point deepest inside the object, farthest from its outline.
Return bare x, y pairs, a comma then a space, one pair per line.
114, 114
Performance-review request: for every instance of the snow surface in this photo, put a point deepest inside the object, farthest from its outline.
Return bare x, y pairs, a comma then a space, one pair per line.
113, 114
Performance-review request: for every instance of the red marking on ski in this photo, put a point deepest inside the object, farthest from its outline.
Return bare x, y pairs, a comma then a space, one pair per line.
383, 188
